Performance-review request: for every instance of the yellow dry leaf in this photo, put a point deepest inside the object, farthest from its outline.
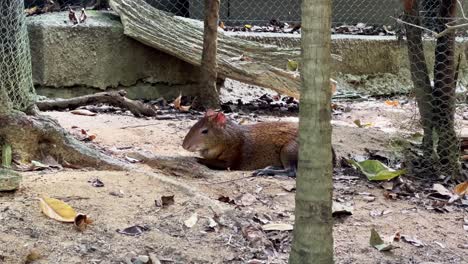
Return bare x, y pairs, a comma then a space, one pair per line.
333, 86
82, 221
461, 189
177, 101
248, 26
177, 104
392, 103
57, 210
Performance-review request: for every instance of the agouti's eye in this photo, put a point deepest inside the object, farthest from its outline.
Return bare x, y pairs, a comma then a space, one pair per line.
204, 131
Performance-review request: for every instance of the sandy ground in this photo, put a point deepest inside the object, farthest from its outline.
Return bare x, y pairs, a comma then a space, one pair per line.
128, 198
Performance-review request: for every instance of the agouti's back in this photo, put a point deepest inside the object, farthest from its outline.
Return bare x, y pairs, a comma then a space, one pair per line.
225, 144
264, 142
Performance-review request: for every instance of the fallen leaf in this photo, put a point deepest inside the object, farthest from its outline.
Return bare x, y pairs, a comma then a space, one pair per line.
31, 11
177, 104
246, 199
392, 103
277, 227
461, 189
57, 210
375, 213
135, 230
248, 26
440, 244
390, 195
378, 243
254, 235
37, 165
358, 123
131, 160
292, 65
192, 221
333, 84
339, 209
154, 259
442, 191
226, 199
33, 256
167, 200
96, 183
212, 224
387, 185
375, 170
413, 241
289, 186
83, 112
368, 198
82, 221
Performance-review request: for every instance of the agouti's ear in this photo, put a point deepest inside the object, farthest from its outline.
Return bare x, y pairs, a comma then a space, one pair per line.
220, 119
210, 112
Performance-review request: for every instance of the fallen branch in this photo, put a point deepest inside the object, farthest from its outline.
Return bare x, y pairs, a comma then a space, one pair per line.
114, 98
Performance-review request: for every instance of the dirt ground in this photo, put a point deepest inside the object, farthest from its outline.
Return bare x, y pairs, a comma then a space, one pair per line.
128, 199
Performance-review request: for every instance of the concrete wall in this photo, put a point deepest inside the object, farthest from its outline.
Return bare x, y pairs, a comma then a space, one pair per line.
98, 55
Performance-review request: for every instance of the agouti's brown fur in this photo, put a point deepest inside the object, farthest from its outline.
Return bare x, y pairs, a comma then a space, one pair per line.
224, 144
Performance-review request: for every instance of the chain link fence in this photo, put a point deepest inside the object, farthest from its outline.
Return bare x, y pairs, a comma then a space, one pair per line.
16, 86
437, 61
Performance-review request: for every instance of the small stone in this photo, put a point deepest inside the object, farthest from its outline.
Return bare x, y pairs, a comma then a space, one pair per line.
9, 180
144, 259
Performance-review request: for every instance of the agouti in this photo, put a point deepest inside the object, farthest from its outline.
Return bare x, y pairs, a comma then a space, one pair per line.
270, 148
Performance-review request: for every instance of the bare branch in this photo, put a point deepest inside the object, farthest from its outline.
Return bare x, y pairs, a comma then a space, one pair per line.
446, 31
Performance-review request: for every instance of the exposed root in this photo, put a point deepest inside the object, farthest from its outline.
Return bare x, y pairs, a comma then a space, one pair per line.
34, 137
176, 166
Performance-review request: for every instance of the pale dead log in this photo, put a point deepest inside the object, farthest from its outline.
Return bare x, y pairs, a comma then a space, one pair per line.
242, 60
115, 98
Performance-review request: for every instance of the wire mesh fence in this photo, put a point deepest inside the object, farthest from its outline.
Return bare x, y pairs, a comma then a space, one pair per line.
16, 86
435, 52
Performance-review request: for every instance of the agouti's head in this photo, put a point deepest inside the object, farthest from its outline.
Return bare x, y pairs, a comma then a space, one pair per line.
207, 134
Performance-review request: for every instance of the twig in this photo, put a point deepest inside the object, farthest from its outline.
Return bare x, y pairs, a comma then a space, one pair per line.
413, 25
151, 124
446, 31
232, 180
461, 9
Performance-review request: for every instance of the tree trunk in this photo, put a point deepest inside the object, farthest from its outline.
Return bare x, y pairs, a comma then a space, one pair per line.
421, 79
208, 96
444, 93
313, 238
101, 4
242, 60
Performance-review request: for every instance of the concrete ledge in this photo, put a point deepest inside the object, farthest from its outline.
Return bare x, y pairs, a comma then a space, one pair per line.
97, 54
375, 65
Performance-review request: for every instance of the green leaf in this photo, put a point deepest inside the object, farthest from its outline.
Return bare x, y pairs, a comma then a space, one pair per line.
6, 156
375, 170
378, 243
292, 65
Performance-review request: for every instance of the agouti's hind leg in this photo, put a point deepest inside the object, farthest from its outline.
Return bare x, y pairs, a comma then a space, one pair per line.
288, 159
275, 171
